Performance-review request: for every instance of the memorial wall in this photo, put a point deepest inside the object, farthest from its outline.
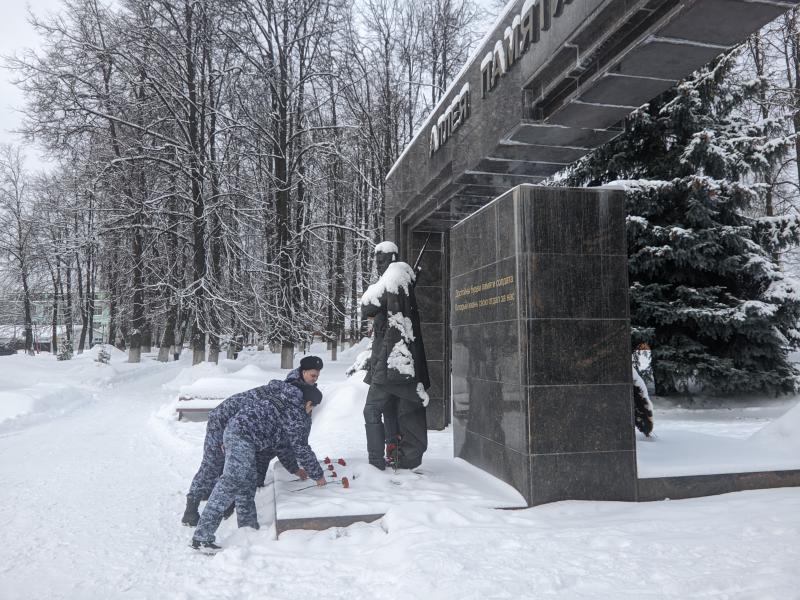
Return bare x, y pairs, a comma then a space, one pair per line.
541, 374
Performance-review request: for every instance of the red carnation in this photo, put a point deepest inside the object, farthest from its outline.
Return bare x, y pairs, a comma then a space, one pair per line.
333, 474
327, 460
341, 462
330, 467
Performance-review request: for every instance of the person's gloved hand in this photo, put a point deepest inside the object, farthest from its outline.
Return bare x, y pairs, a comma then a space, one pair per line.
312, 394
310, 391
321, 481
301, 473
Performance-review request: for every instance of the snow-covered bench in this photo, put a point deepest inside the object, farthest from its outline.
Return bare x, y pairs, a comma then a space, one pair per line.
196, 408
197, 397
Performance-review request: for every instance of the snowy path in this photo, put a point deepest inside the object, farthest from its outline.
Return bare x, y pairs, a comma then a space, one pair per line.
91, 498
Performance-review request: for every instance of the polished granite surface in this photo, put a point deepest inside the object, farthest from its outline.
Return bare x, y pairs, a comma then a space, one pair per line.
432, 303
540, 344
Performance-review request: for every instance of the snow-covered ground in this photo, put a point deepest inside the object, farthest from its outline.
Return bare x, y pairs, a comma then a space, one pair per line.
759, 435
95, 466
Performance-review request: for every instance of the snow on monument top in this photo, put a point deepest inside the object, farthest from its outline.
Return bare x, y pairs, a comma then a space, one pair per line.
387, 248
397, 275
633, 184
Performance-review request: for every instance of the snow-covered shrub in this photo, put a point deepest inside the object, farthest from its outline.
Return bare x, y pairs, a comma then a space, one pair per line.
64, 350
103, 356
362, 361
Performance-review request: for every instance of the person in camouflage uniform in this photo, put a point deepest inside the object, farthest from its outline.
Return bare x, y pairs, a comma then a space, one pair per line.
282, 420
214, 459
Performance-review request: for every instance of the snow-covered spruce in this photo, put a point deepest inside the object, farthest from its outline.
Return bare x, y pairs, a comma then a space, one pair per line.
707, 292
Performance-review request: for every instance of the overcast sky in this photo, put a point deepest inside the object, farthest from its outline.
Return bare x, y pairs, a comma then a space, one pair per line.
15, 35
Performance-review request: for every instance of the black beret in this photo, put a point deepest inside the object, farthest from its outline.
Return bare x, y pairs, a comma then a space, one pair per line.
308, 363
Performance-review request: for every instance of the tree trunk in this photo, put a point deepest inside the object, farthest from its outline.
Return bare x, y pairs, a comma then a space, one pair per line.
215, 220
137, 318
287, 355
68, 317
198, 347
147, 337
213, 348
54, 321
112, 303
28, 317
81, 299
183, 330
91, 276
793, 77
168, 339
84, 329
123, 337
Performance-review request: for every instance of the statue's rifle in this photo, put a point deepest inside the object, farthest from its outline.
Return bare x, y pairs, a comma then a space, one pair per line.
419, 258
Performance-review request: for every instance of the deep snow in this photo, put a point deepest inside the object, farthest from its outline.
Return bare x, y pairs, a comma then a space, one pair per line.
95, 467
733, 439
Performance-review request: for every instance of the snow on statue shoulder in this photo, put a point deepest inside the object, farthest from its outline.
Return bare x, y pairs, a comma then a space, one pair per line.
398, 276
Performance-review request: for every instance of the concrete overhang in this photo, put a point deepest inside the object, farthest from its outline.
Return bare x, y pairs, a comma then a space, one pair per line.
568, 93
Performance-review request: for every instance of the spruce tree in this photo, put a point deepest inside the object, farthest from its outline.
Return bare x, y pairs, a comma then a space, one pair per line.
707, 293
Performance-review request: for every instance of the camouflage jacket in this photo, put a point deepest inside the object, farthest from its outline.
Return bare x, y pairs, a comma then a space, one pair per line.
280, 422
219, 417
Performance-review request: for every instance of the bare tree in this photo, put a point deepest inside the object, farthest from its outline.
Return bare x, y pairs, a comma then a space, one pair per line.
17, 228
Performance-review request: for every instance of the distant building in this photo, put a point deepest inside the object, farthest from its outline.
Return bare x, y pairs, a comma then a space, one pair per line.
12, 318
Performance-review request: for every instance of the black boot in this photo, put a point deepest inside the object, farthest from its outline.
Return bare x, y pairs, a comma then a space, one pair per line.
206, 547
375, 445
412, 421
191, 515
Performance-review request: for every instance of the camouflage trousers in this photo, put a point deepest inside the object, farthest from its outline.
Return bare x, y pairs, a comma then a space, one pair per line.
214, 461
237, 483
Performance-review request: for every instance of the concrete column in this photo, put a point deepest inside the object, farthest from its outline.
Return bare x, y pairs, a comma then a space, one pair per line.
541, 344
433, 299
